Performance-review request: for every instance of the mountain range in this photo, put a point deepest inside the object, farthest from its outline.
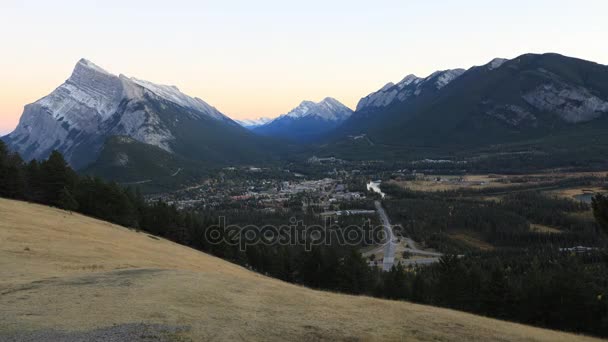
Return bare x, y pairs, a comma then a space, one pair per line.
539, 106
504, 99
545, 103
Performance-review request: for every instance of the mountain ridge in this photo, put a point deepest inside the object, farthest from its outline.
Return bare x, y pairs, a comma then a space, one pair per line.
532, 98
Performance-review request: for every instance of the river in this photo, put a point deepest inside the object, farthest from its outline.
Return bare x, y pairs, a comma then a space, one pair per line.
375, 187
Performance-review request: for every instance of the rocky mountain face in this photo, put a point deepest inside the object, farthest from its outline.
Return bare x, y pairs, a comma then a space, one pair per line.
307, 121
79, 116
528, 97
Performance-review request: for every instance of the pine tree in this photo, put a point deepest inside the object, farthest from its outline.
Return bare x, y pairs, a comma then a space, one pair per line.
4, 177
12, 177
67, 200
55, 176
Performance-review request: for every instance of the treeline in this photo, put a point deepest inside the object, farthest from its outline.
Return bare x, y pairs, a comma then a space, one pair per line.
52, 182
545, 288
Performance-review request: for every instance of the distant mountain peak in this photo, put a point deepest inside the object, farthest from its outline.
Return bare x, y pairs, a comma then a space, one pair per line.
308, 120
328, 109
253, 123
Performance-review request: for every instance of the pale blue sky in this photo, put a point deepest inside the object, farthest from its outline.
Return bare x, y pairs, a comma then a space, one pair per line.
261, 58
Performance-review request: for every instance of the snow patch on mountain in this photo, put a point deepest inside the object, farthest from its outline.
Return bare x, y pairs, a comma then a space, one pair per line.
252, 123
496, 63
173, 94
446, 77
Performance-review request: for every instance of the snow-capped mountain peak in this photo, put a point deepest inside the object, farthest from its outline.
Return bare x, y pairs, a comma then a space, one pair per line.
89, 89
85, 63
307, 121
252, 123
94, 103
328, 109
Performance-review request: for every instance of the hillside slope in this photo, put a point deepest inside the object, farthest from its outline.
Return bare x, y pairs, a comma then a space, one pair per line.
65, 276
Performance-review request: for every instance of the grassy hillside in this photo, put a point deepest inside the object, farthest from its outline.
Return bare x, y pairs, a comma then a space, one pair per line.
64, 274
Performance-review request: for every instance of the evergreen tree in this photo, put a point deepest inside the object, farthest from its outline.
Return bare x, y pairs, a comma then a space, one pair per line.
34, 191
12, 176
354, 274
67, 200
4, 172
600, 211
55, 176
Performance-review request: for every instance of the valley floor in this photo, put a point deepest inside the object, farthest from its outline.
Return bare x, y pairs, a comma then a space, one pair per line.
64, 276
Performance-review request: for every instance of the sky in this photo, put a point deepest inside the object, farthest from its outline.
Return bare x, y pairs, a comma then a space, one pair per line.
263, 57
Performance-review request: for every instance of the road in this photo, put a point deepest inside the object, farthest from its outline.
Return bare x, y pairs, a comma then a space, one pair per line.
390, 245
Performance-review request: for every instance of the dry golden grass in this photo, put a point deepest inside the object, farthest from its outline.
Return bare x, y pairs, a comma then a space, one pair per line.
472, 241
70, 272
570, 193
540, 228
451, 182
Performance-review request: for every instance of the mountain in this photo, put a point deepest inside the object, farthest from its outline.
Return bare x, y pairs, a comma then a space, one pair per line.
253, 123
539, 100
307, 121
94, 105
